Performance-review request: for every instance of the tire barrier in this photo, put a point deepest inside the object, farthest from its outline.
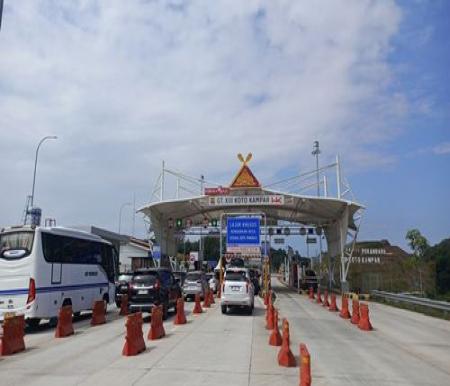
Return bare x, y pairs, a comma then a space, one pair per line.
180, 317
325, 299
270, 317
198, 307
305, 366
13, 332
156, 324
364, 321
345, 313
285, 356
355, 312
98, 313
311, 293
64, 327
319, 297
275, 337
134, 338
206, 302
333, 306
124, 305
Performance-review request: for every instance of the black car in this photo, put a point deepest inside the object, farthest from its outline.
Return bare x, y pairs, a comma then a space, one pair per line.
122, 285
154, 286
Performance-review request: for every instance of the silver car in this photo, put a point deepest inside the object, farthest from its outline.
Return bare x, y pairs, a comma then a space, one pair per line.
195, 283
237, 290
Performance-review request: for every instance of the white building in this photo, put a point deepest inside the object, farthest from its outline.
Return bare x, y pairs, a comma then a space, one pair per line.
134, 254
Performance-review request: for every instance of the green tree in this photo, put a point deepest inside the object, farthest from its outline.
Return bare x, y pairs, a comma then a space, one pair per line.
418, 268
440, 254
417, 242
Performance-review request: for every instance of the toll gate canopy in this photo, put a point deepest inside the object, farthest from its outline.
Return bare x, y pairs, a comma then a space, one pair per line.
335, 216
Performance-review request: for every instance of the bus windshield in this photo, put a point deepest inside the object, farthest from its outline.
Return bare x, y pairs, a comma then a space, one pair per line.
15, 245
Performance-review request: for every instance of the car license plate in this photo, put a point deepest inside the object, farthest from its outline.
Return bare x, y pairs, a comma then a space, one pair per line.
234, 288
142, 292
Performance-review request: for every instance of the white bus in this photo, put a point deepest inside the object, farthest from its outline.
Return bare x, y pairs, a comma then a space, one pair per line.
42, 269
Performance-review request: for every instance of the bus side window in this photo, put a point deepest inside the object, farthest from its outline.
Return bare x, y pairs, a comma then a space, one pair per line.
108, 261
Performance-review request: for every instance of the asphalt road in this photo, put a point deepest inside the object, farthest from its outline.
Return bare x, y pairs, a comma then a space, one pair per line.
405, 348
211, 349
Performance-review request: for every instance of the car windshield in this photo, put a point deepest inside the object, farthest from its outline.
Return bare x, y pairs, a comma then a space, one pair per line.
146, 279
235, 276
193, 276
16, 241
126, 278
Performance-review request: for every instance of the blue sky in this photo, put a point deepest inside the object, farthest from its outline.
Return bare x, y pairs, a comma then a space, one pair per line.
125, 85
413, 192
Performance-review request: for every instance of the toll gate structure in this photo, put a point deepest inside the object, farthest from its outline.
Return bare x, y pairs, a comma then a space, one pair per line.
337, 218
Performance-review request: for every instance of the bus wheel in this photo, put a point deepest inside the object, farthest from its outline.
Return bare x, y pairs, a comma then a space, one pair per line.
33, 322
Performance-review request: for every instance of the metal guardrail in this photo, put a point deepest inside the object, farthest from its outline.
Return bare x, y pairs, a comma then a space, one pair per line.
436, 304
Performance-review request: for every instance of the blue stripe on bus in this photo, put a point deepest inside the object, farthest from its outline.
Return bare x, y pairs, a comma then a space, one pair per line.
21, 291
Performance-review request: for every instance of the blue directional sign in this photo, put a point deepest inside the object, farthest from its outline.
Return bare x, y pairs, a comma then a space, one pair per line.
243, 231
156, 252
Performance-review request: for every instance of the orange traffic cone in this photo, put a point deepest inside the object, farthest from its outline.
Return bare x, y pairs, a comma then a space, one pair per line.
206, 303
98, 313
319, 297
275, 337
211, 298
134, 338
124, 305
65, 326
325, 299
270, 317
156, 324
345, 313
285, 356
333, 305
180, 317
198, 307
305, 366
364, 322
355, 312
311, 293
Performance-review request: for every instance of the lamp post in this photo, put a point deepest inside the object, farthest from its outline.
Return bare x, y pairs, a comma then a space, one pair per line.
35, 165
120, 213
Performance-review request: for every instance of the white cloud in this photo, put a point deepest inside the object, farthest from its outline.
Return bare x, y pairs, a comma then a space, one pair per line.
127, 84
442, 148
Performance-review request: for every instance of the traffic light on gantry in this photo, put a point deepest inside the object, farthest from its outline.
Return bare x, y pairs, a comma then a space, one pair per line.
179, 223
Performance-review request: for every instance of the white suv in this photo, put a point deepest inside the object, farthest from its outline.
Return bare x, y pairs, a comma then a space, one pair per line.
237, 290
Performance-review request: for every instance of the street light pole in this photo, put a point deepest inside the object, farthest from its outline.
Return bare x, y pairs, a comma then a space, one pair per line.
316, 152
120, 213
35, 165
